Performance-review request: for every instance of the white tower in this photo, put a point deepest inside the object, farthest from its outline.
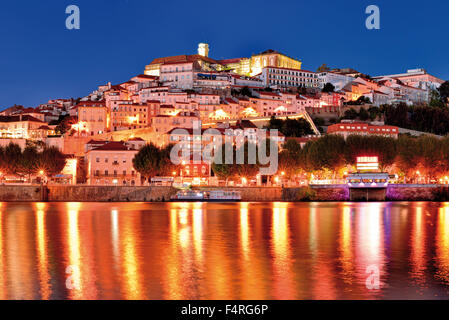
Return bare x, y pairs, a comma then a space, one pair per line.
203, 49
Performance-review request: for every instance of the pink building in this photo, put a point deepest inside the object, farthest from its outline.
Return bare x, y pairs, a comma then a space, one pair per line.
112, 164
92, 117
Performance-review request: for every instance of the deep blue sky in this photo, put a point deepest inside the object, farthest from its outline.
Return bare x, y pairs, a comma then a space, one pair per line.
40, 59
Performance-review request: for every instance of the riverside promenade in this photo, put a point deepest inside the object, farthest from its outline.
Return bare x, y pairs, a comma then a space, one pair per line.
60, 193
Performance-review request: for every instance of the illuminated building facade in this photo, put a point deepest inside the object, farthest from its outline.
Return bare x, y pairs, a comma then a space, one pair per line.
417, 78
348, 128
286, 77
129, 116
202, 62
111, 164
94, 116
164, 123
22, 127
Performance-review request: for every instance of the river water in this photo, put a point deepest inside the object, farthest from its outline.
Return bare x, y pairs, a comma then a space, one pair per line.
224, 251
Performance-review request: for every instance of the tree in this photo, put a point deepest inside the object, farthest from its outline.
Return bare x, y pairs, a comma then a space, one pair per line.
328, 87
444, 92
396, 115
148, 161
3, 165
246, 92
406, 154
12, 153
222, 169
363, 114
251, 164
28, 162
350, 114
377, 146
325, 153
374, 113
323, 68
65, 124
291, 127
290, 157
436, 100
51, 161
429, 155
166, 166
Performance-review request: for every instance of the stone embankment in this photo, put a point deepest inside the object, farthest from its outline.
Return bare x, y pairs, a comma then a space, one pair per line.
26, 193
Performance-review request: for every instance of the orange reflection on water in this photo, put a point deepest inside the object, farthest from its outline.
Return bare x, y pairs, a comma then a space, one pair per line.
283, 282
21, 267
323, 286
172, 274
42, 252
223, 251
3, 288
74, 281
131, 265
345, 244
369, 244
418, 247
197, 223
244, 230
442, 244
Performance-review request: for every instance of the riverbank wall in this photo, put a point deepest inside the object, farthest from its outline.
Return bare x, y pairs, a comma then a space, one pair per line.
18, 193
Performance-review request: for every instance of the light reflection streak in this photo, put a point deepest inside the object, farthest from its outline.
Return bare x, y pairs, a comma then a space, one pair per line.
283, 288
42, 252
74, 252
3, 288
197, 222
131, 264
370, 251
244, 230
442, 244
115, 234
172, 280
345, 243
418, 247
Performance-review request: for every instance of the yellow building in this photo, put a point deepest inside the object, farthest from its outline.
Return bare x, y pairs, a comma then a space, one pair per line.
272, 58
243, 66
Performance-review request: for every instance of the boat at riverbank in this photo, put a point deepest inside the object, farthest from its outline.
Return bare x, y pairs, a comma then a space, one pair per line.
207, 196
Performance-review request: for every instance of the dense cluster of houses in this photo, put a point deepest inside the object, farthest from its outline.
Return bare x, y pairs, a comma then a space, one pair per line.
109, 126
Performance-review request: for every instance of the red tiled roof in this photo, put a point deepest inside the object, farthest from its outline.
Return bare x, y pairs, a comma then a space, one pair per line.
113, 146
18, 118
183, 59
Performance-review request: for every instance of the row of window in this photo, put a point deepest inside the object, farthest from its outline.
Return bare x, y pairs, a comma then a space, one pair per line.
115, 173
106, 160
371, 129
293, 73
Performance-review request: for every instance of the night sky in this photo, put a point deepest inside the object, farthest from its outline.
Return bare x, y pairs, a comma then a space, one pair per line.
40, 59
